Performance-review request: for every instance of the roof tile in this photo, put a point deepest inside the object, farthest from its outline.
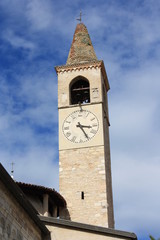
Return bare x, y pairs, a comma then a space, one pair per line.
81, 50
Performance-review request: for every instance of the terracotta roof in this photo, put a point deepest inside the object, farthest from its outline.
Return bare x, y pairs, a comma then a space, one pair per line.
81, 49
37, 189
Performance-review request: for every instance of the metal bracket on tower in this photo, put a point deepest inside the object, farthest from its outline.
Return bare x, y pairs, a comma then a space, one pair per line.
80, 106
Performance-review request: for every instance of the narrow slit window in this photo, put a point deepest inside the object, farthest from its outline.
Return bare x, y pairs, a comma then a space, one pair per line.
82, 195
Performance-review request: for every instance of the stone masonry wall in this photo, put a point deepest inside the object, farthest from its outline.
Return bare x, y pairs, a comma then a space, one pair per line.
14, 221
65, 78
83, 170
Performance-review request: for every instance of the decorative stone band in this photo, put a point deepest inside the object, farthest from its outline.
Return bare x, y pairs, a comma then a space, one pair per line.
82, 66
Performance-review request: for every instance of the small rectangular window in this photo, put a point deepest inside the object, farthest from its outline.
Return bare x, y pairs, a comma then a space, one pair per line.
82, 195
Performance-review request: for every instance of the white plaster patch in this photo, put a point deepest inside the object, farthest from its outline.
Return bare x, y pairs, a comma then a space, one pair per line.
97, 215
102, 172
64, 97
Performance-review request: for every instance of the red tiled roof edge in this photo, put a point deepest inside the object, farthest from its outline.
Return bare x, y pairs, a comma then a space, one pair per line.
45, 189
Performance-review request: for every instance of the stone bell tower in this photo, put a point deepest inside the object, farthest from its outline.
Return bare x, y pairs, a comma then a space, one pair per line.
84, 149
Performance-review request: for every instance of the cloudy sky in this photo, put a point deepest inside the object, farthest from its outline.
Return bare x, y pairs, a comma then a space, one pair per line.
35, 36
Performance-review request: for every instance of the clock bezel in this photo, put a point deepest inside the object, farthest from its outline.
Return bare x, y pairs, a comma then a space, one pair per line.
87, 139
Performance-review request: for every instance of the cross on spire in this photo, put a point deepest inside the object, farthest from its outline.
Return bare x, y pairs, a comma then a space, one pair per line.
12, 170
80, 17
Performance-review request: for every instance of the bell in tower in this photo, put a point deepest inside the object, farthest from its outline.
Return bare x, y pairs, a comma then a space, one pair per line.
79, 91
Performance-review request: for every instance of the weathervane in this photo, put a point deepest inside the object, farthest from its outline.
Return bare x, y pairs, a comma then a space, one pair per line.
12, 171
80, 16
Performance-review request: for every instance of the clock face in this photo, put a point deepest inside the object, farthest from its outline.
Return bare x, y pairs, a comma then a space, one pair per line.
80, 126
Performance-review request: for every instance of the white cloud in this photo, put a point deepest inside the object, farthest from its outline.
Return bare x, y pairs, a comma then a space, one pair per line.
135, 182
27, 133
126, 36
18, 41
134, 103
37, 166
40, 14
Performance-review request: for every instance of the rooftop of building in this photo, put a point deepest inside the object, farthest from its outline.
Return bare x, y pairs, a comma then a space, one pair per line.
81, 50
40, 190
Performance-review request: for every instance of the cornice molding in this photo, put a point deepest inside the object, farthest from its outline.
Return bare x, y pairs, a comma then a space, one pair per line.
82, 66
78, 66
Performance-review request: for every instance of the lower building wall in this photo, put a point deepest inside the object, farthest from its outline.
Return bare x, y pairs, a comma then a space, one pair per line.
14, 221
67, 230
61, 233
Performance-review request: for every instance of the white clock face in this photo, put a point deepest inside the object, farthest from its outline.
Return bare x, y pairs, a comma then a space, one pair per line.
80, 126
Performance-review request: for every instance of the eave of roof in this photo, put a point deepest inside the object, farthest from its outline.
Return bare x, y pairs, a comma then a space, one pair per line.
14, 189
42, 190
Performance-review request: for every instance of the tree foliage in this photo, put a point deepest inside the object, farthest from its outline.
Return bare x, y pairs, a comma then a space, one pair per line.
152, 238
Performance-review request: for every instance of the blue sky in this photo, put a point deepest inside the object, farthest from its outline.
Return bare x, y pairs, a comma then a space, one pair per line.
36, 36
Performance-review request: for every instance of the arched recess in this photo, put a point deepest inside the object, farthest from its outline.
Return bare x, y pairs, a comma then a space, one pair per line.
79, 91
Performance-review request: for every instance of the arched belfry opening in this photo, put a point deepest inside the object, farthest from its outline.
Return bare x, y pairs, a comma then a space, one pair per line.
79, 91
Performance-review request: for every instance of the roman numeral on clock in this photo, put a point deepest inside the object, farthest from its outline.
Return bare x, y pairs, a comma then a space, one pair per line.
68, 134
87, 114
93, 119
66, 128
93, 131
73, 139
73, 117
68, 122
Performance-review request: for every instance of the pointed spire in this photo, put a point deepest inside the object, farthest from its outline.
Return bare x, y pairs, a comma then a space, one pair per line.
81, 50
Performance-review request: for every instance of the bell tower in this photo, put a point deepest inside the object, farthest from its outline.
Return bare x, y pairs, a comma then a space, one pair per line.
84, 150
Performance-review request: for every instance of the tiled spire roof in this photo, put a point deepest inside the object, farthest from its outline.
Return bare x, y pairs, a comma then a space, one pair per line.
81, 50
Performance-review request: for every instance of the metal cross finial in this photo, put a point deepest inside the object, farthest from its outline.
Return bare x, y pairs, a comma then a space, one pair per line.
12, 171
80, 16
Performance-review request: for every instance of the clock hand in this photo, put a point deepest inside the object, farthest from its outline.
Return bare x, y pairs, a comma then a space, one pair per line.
80, 126
84, 126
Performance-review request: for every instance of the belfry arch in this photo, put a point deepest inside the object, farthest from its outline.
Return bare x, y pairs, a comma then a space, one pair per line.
79, 91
